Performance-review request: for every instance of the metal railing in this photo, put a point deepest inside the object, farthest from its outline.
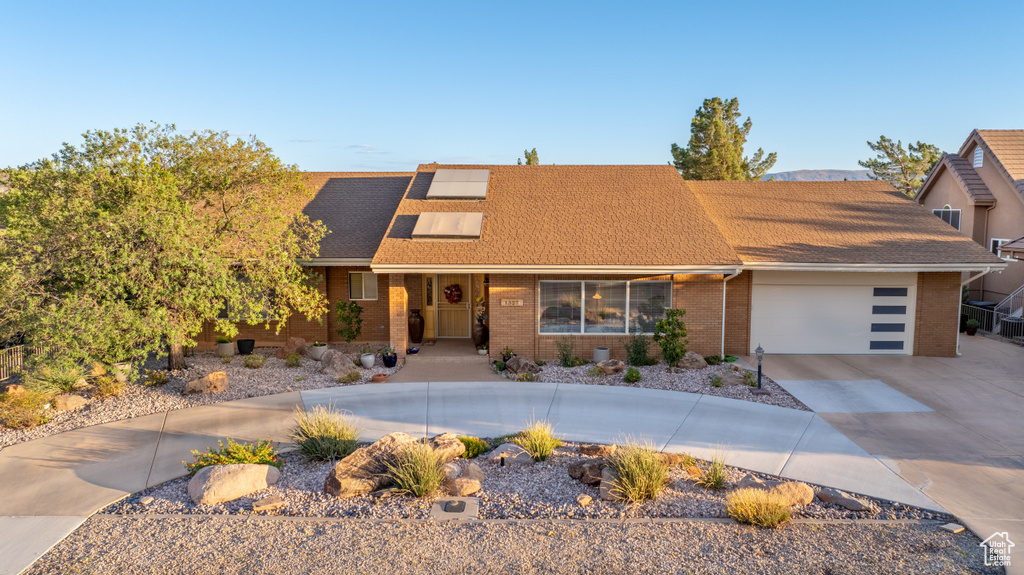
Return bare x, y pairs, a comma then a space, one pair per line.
1005, 326
11, 360
1011, 307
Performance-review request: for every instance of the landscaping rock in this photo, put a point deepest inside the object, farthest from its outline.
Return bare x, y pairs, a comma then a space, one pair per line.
519, 365
97, 370
294, 345
608, 479
841, 499
461, 487
513, 454
611, 366
272, 503
732, 378
584, 500
67, 401
452, 470
335, 363
692, 360
81, 385
598, 450
795, 493
473, 471
448, 446
694, 472
215, 382
363, 470
146, 500
670, 459
220, 483
15, 390
749, 481
588, 472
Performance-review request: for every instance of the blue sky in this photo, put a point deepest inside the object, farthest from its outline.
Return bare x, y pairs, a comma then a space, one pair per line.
387, 85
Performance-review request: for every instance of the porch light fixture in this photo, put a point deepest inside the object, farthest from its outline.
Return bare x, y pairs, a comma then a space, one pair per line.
759, 352
597, 296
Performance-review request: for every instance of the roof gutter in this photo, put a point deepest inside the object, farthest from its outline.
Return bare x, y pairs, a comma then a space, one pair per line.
552, 269
960, 306
360, 262
823, 267
725, 280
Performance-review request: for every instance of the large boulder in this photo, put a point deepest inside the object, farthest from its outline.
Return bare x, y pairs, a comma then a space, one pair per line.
473, 471
692, 360
611, 366
608, 489
15, 390
841, 499
293, 345
461, 487
215, 382
68, 401
794, 493
512, 454
363, 471
335, 363
448, 445
220, 483
588, 472
597, 450
519, 365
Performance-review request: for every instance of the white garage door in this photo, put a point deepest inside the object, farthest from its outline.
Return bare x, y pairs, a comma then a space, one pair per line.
833, 312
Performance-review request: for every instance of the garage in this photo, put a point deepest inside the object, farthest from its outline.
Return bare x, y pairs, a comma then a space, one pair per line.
833, 312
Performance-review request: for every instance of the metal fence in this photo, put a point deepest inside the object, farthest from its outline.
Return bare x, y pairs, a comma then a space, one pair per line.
1005, 326
11, 360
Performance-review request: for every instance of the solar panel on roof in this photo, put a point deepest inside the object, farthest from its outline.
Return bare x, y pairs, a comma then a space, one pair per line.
459, 185
440, 225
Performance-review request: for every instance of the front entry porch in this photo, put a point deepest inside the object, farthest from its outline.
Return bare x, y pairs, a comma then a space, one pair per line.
446, 360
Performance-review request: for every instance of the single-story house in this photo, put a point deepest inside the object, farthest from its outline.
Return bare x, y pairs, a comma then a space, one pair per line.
594, 253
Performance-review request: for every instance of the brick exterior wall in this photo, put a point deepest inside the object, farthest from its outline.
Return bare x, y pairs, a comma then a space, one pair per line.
737, 314
516, 327
937, 321
398, 299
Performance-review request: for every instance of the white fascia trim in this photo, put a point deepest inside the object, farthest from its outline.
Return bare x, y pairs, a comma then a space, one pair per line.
361, 262
552, 269
791, 267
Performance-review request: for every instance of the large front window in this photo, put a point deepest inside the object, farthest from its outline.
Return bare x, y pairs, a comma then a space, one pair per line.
600, 307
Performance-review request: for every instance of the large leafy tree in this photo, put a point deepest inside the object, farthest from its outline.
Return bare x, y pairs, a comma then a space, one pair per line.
715, 151
132, 241
905, 169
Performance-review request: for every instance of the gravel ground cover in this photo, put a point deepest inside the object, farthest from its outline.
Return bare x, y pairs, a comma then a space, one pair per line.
138, 399
142, 544
541, 490
690, 380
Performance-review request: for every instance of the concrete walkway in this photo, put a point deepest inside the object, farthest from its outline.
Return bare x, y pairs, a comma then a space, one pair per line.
956, 429
51, 485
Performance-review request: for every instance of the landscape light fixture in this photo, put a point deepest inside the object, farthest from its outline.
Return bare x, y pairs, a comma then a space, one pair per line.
759, 352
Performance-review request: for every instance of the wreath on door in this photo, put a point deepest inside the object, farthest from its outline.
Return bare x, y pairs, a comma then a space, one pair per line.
453, 293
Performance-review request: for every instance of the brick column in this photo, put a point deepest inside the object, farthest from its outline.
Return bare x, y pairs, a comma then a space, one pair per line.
398, 301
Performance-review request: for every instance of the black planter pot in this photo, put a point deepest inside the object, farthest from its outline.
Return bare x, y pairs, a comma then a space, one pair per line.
971, 330
389, 360
963, 323
505, 358
245, 346
480, 333
415, 326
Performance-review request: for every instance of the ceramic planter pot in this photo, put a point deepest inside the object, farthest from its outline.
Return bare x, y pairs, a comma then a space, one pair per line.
389, 360
226, 348
121, 371
415, 326
482, 351
367, 359
316, 351
379, 378
971, 330
245, 346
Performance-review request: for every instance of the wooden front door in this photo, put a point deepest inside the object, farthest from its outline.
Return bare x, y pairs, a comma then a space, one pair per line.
453, 318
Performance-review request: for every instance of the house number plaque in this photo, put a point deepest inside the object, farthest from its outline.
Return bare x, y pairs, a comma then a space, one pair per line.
511, 303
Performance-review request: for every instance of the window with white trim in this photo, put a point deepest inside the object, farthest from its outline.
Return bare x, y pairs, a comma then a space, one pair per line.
979, 157
949, 215
994, 245
362, 285
602, 307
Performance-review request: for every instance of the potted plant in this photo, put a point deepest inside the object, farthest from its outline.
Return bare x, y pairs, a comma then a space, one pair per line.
972, 326
317, 350
225, 346
388, 356
368, 357
506, 354
245, 346
481, 349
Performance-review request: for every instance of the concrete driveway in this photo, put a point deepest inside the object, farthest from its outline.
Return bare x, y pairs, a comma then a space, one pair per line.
964, 449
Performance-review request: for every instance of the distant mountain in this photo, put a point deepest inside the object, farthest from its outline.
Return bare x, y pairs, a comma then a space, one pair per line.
820, 175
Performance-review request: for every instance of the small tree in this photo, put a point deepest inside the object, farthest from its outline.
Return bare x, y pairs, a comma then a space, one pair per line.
715, 150
531, 158
669, 333
350, 320
904, 169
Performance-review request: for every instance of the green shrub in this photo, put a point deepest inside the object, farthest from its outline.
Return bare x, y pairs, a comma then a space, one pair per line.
526, 377
638, 350
594, 371
350, 377
255, 361
350, 321
714, 474
417, 469
973, 323
474, 446
669, 333
540, 363
716, 381
503, 439
107, 386
750, 378
729, 358
567, 352
641, 473
757, 507
156, 377
713, 359
260, 452
54, 376
223, 339
499, 365
293, 360
507, 352
632, 375
226, 358
324, 434
25, 410
538, 440
688, 461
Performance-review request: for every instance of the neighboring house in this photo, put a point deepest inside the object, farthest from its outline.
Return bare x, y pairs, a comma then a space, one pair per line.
593, 253
980, 191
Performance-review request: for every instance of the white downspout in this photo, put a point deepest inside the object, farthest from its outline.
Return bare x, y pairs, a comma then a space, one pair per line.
960, 306
724, 280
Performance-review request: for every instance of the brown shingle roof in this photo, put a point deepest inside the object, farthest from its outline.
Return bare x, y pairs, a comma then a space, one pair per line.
1007, 147
356, 207
964, 174
565, 215
833, 223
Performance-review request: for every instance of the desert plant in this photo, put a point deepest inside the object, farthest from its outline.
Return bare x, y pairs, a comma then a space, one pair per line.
226, 358
260, 452
714, 474
107, 386
223, 339
641, 474
638, 350
325, 434
350, 377
54, 376
749, 378
367, 349
499, 365
350, 321
716, 381
156, 377
417, 469
474, 446
757, 507
293, 360
526, 377
632, 375
255, 361
566, 350
538, 440
669, 333
713, 359
594, 371
24, 410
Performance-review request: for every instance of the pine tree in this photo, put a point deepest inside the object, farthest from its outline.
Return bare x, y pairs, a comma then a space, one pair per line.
904, 169
715, 151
